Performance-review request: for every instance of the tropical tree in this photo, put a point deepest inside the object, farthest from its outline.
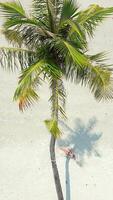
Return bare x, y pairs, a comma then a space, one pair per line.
50, 44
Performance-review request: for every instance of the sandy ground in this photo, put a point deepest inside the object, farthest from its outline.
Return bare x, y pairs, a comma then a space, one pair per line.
25, 170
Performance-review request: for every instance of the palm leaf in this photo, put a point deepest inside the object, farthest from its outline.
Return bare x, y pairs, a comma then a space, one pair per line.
51, 15
98, 77
31, 71
80, 59
99, 57
15, 15
26, 96
75, 28
40, 66
13, 36
12, 58
72, 31
29, 79
45, 12
12, 9
53, 128
15, 22
100, 82
58, 97
39, 9
92, 17
34, 35
69, 10
26, 93
80, 68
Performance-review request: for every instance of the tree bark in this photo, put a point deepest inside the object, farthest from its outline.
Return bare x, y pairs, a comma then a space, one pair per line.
55, 169
54, 116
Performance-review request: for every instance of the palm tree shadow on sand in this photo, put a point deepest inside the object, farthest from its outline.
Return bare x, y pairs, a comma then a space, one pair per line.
82, 139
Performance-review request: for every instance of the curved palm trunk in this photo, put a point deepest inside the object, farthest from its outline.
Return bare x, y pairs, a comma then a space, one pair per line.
53, 140
55, 169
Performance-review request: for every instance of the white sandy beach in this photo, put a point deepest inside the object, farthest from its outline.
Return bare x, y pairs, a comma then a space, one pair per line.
25, 169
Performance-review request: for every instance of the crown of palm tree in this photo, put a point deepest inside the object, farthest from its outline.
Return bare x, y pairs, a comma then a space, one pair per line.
51, 43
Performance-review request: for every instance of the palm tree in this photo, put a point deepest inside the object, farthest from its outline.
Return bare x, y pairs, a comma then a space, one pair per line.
50, 44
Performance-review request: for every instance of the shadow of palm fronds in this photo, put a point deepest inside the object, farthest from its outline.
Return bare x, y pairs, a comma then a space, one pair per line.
82, 139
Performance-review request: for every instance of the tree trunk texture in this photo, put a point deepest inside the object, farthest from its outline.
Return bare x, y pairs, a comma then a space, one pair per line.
54, 116
55, 169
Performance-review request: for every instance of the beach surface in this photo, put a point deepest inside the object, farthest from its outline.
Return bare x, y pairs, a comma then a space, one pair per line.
25, 168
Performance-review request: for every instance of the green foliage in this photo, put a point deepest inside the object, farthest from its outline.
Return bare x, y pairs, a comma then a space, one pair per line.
99, 57
53, 128
69, 10
58, 97
12, 9
92, 17
26, 96
51, 44
15, 58
13, 37
39, 9
13, 13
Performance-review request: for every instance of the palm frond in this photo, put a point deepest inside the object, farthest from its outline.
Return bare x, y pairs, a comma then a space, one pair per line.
58, 4
28, 35
39, 67
12, 58
82, 69
53, 128
26, 92
39, 9
51, 15
29, 79
26, 97
12, 9
69, 10
33, 36
92, 17
100, 82
58, 97
72, 31
15, 15
17, 23
99, 57
44, 11
13, 36
47, 11
75, 28
97, 77
68, 53
79, 59
31, 71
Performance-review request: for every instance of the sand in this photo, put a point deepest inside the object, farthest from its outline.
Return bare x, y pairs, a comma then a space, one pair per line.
25, 169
